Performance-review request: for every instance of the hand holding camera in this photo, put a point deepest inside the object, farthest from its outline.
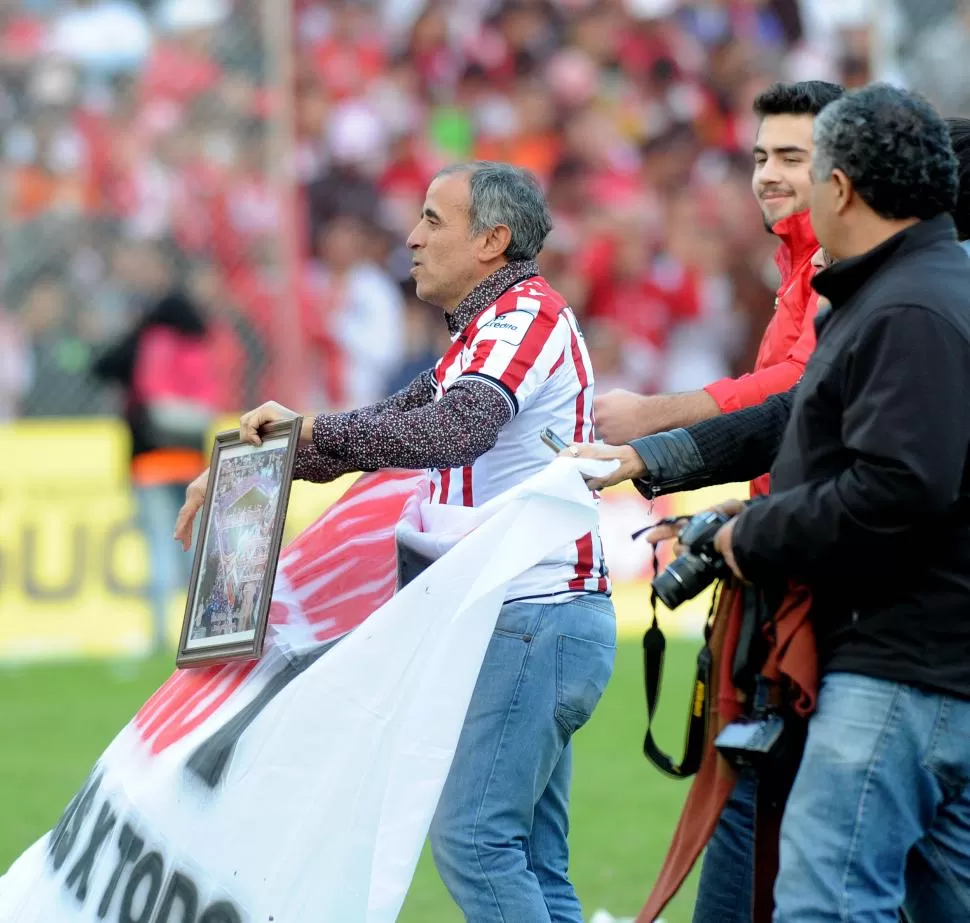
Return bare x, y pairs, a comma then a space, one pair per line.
704, 553
760, 740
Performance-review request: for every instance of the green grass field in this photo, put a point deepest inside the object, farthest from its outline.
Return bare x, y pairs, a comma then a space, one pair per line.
55, 720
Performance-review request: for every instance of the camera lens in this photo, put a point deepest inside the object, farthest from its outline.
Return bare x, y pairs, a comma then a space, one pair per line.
683, 579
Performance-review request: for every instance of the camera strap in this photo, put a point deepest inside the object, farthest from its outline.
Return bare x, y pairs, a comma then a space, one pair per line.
654, 649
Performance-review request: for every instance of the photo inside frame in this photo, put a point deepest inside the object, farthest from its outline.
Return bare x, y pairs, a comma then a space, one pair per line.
247, 485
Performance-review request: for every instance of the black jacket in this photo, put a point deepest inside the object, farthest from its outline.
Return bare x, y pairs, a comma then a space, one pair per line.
870, 501
872, 480
738, 446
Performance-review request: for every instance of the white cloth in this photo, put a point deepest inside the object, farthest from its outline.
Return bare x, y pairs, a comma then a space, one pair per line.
322, 805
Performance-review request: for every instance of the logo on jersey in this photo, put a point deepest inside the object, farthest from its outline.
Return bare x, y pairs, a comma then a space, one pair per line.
509, 328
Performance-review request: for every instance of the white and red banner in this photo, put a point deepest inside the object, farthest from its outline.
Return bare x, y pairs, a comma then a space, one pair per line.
301, 787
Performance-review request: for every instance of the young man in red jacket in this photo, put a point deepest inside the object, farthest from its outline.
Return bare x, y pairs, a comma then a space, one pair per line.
781, 184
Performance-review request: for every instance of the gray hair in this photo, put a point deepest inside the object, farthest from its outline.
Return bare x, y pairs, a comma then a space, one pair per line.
503, 194
893, 146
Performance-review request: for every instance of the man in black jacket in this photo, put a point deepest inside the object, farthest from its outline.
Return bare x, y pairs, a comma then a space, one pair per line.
871, 508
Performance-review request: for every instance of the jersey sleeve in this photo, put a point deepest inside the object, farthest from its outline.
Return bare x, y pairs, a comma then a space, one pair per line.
518, 351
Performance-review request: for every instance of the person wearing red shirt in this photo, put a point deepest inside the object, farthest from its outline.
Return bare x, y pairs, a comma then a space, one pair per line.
781, 184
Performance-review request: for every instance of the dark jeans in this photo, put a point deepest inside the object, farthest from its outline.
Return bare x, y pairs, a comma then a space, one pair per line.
727, 883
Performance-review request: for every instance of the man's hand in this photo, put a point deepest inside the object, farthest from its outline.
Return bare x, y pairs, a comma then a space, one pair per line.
622, 416
252, 422
724, 545
617, 416
668, 530
631, 465
194, 498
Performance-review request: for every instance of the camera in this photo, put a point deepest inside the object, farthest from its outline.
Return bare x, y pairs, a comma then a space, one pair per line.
763, 741
699, 567
752, 744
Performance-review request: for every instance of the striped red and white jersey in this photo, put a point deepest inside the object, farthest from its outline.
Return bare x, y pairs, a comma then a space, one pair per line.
527, 345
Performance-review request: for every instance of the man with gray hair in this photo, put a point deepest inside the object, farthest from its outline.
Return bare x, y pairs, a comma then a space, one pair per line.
870, 510
517, 365
870, 470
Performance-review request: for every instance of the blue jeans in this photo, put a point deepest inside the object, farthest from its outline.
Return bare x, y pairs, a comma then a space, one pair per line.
169, 567
879, 816
725, 893
499, 835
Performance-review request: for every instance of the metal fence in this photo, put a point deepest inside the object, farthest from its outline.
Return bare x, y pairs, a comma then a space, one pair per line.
141, 154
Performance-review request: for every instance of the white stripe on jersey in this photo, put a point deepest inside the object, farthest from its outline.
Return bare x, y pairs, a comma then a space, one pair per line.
591, 564
543, 369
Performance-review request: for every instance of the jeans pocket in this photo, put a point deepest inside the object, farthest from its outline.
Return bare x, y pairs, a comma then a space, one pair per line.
520, 620
583, 668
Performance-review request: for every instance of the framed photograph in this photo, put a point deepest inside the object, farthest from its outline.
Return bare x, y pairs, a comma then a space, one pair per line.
238, 547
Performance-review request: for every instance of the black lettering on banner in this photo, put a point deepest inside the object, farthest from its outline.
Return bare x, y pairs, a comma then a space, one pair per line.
57, 834
130, 846
148, 868
211, 758
139, 901
81, 872
180, 888
65, 833
71, 585
221, 912
111, 575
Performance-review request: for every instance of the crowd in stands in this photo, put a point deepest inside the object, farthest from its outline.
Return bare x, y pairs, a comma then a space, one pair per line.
147, 146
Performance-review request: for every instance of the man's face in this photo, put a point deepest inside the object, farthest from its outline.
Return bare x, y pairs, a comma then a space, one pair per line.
825, 200
445, 256
782, 166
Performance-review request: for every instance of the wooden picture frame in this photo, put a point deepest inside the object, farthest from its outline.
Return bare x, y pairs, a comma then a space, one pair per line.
238, 547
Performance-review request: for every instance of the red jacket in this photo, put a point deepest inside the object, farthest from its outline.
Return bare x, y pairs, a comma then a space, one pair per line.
792, 662
790, 337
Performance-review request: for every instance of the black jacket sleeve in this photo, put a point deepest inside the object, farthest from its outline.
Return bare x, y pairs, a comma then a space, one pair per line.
907, 444
732, 447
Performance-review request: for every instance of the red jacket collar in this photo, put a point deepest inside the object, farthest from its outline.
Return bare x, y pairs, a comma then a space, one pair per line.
798, 243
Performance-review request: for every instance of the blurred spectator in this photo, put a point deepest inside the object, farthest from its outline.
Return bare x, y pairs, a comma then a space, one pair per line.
134, 124
60, 350
355, 147
238, 350
604, 340
182, 65
932, 41
167, 371
22, 36
357, 325
425, 338
148, 157
643, 292
46, 155
16, 369
102, 36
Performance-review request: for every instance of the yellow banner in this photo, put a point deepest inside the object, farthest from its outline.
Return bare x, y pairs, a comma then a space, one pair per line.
73, 562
